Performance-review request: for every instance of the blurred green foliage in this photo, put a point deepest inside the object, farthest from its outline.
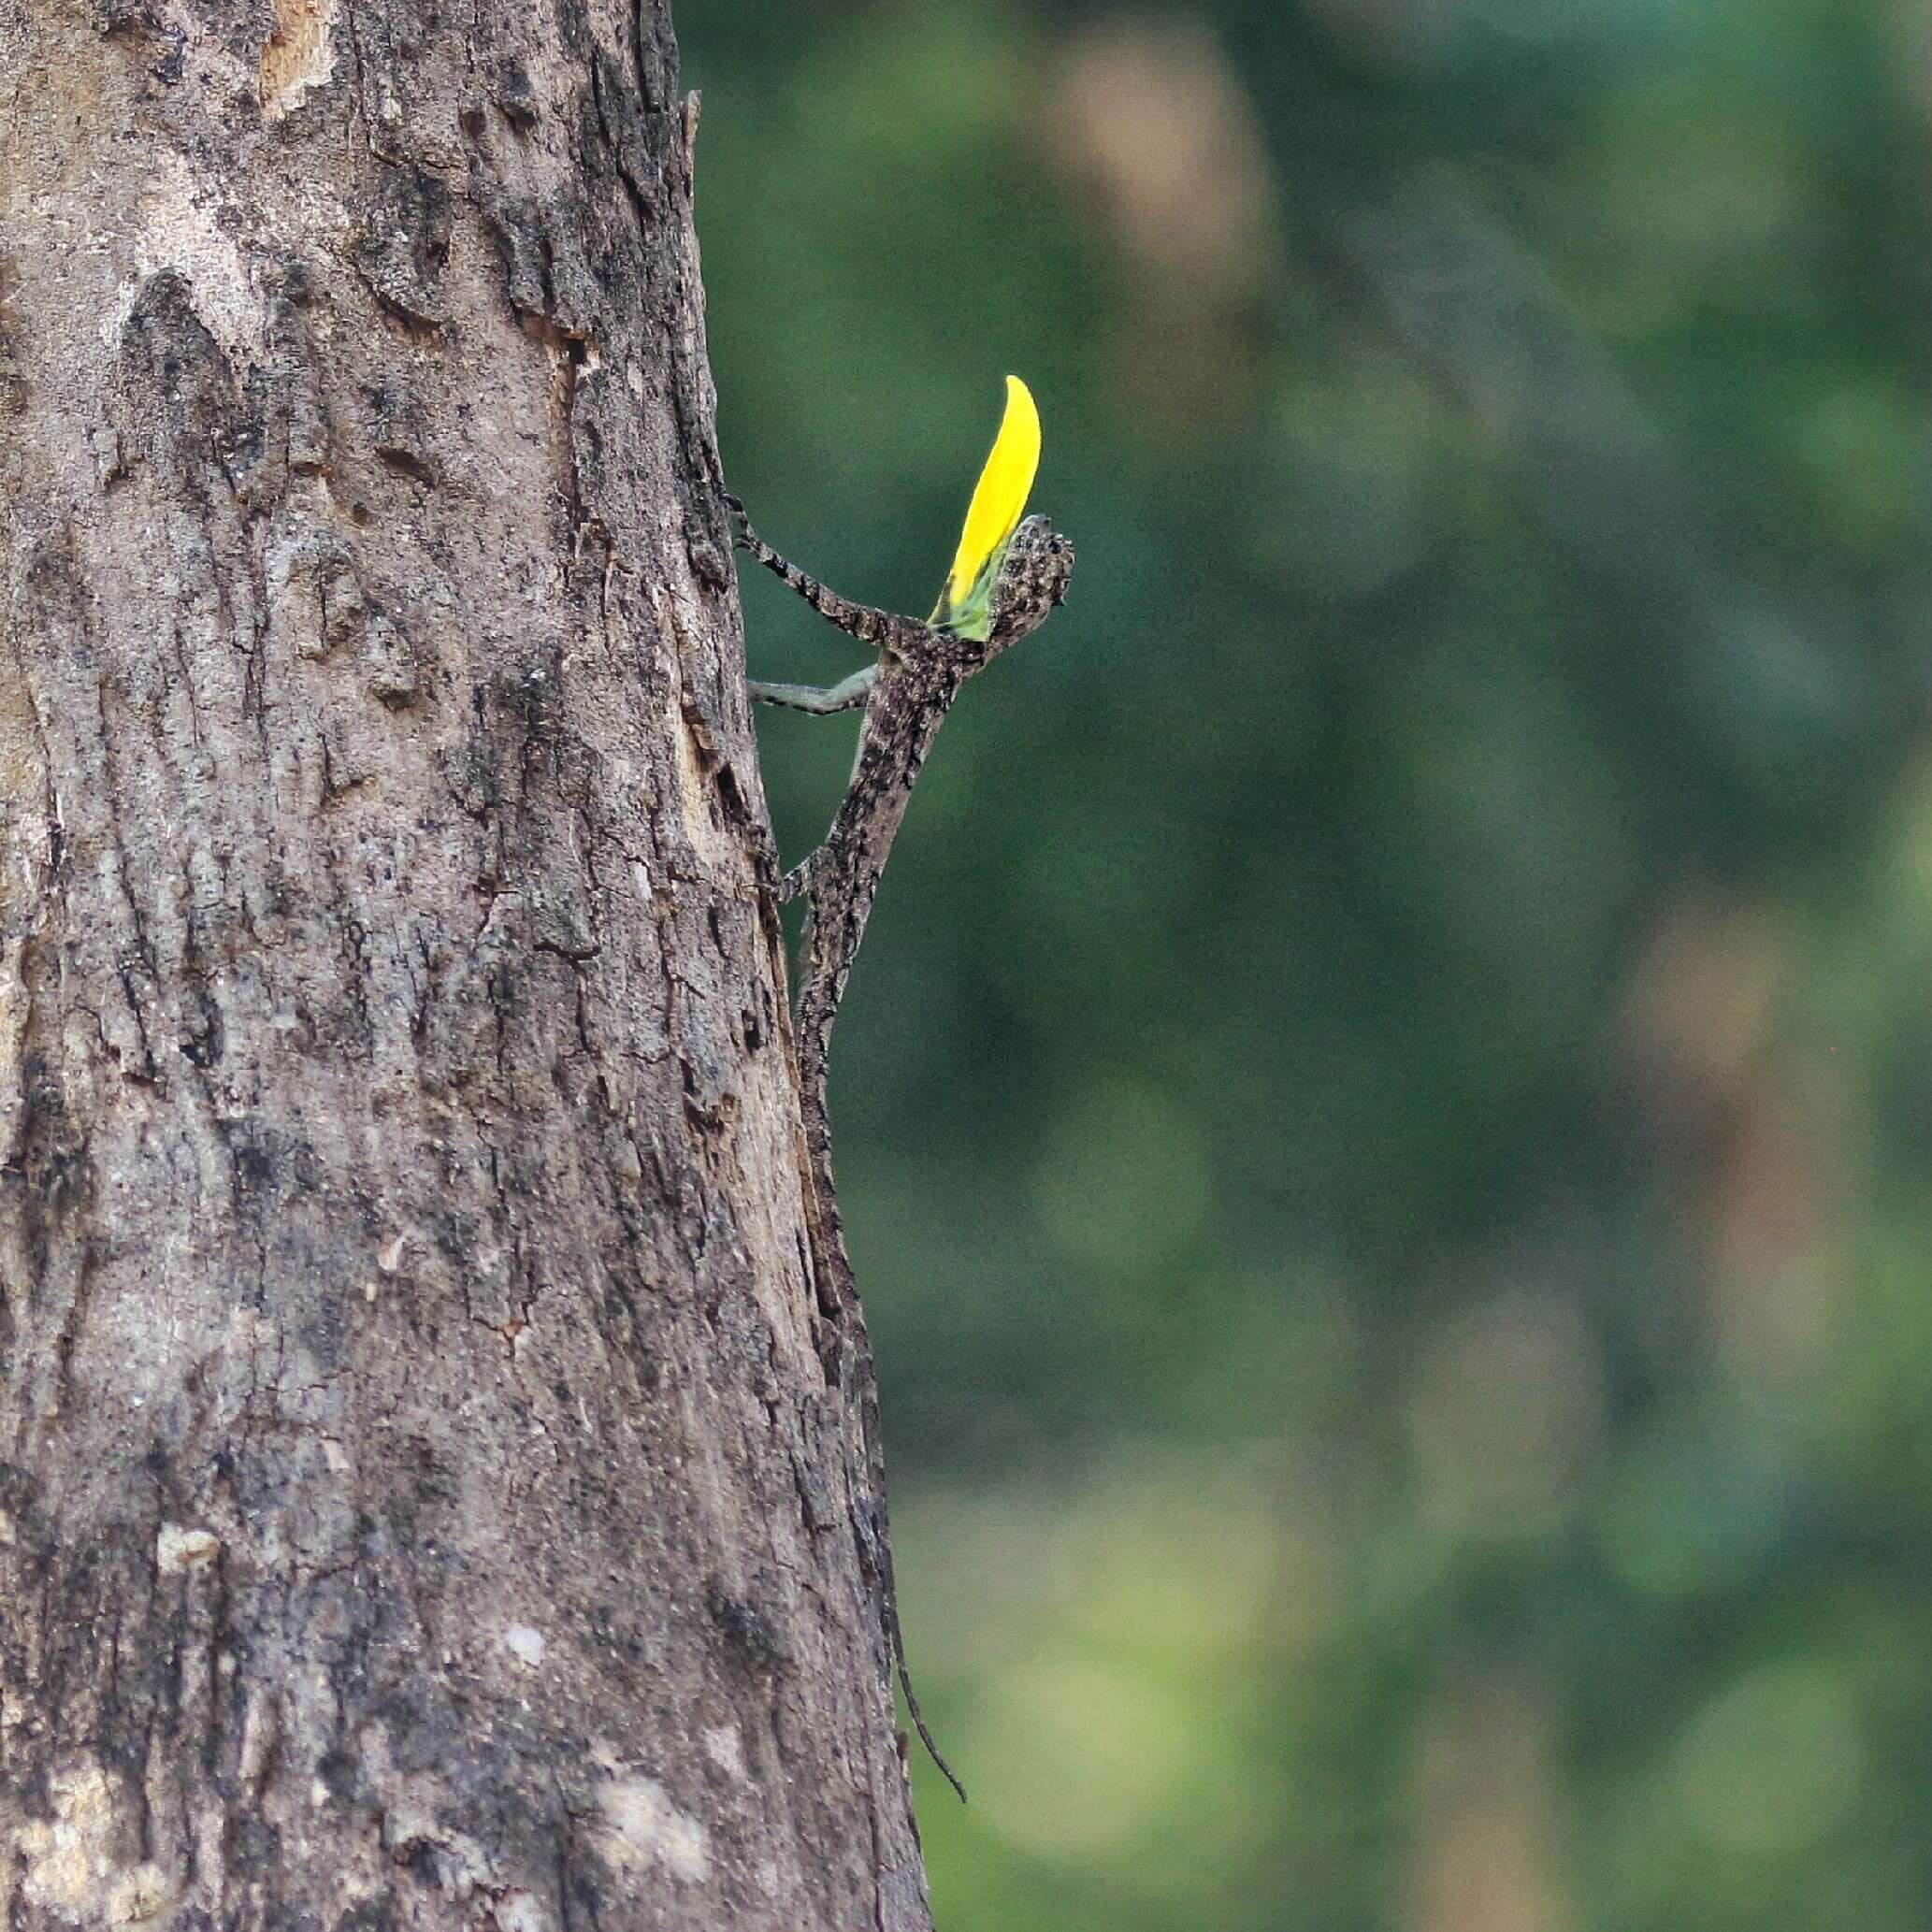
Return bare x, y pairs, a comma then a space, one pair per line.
1385, 1114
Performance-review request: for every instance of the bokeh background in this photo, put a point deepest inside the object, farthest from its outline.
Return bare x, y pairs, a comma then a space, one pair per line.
1386, 1112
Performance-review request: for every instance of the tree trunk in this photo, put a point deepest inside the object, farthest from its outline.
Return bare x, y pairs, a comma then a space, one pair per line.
422, 1501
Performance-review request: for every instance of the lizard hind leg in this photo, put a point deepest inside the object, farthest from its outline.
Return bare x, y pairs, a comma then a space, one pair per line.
742, 536
803, 876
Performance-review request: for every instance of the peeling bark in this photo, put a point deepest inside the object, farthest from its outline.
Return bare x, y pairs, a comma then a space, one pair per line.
422, 1501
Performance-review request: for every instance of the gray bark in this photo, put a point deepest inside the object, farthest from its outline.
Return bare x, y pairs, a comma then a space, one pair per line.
422, 1501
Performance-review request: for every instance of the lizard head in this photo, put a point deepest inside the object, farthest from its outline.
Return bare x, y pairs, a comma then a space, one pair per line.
1033, 578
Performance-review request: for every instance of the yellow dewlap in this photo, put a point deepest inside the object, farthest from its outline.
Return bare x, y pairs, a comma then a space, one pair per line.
997, 498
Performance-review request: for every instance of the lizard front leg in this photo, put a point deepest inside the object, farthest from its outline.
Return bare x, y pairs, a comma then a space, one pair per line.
847, 695
869, 626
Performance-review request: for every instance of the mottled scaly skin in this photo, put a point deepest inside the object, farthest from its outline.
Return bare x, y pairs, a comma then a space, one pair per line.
902, 716
918, 674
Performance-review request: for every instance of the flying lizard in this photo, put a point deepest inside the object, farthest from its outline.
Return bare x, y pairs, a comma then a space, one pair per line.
1006, 578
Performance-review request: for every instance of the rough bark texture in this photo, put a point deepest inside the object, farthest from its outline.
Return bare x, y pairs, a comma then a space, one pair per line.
422, 1500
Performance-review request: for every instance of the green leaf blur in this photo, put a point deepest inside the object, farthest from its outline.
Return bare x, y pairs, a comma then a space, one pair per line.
1386, 1110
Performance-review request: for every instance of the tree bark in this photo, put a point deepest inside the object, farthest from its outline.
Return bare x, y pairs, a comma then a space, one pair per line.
423, 1499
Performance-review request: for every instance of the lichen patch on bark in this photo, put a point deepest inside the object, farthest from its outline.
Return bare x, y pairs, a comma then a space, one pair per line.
177, 1549
179, 228
80, 1857
643, 1829
525, 1643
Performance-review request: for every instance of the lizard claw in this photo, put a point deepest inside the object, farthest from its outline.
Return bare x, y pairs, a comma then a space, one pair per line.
741, 533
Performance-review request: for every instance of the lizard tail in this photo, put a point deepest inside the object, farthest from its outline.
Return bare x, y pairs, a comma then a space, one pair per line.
845, 1343
912, 1704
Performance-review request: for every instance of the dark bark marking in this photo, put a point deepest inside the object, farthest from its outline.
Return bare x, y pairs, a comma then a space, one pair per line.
404, 244
184, 413
754, 1631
